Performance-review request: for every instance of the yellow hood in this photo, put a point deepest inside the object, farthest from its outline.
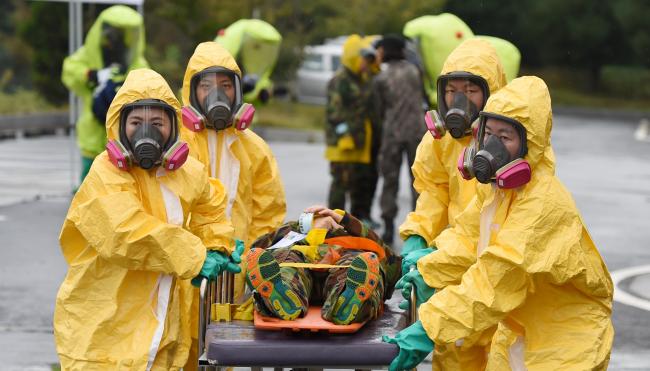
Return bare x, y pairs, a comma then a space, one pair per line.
479, 58
207, 54
351, 57
527, 100
140, 84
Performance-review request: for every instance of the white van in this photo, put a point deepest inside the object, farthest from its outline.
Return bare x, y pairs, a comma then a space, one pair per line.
318, 66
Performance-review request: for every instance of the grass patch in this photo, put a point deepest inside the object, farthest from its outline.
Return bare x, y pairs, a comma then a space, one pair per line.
570, 87
566, 97
24, 101
286, 114
56, 367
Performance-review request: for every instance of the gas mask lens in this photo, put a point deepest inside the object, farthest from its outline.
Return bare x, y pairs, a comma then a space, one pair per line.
148, 129
493, 153
118, 45
216, 106
461, 96
217, 94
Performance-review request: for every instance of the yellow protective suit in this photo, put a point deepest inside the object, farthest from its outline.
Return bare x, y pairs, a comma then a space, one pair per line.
443, 191
125, 301
241, 160
525, 261
245, 165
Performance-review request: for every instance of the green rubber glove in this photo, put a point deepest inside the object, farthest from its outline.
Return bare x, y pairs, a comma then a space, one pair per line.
422, 291
412, 243
412, 258
414, 346
217, 262
235, 257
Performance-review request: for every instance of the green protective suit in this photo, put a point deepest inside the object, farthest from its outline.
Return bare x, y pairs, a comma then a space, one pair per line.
255, 44
91, 134
436, 36
508, 54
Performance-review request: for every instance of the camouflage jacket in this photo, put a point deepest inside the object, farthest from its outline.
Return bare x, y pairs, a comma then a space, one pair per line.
398, 98
390, 265
348, 101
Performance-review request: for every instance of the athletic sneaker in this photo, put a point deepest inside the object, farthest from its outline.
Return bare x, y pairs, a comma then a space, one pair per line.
362, 279
263, 274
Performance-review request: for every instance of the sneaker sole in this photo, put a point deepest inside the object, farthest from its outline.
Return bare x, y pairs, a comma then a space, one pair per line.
362, 279
263, 273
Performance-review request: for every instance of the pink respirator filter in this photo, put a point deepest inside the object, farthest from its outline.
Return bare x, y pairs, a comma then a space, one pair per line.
434, 124
192, 118
513, 175
118, 155
176, 156
244, 116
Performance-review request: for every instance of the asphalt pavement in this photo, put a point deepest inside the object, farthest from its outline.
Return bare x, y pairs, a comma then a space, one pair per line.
600, 161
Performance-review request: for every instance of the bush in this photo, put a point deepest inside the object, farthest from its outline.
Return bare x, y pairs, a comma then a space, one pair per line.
626, 81
23, 101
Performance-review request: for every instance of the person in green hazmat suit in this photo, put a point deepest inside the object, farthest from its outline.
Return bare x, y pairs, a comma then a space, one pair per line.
114, 46
436, 36
255, 44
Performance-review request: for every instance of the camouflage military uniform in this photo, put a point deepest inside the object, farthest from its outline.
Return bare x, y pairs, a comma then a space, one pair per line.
323, 287
348, 102
397, 95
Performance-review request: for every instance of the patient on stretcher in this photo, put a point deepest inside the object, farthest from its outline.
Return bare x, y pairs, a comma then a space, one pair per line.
328, 258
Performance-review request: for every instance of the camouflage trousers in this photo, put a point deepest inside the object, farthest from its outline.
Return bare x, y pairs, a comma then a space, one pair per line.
391, 159
358, 181
323, 286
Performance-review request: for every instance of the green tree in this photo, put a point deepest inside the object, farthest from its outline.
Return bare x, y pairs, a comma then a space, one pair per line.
583, 34
46, 31
15, 54
632, 15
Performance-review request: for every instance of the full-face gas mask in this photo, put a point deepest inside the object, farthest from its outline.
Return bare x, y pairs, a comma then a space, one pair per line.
142, 141
117, 45
488, 159
210, 104
458, 116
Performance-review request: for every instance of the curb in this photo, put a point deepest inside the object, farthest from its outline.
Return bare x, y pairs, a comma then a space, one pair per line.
274, 134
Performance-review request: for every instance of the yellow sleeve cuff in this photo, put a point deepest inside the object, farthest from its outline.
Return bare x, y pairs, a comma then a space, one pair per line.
316, 236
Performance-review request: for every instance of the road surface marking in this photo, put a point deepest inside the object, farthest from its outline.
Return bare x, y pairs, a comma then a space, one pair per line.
642, 133
624, 297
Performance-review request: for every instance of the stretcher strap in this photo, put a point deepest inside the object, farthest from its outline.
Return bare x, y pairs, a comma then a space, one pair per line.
357, 243
312, 265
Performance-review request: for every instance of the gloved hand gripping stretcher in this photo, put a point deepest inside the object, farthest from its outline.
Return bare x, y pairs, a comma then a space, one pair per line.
354, 274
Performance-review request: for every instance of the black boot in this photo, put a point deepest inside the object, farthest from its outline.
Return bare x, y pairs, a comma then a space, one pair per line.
389, 231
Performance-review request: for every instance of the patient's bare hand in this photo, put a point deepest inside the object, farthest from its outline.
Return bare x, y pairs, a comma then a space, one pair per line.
332, 214
315, 209
326, 222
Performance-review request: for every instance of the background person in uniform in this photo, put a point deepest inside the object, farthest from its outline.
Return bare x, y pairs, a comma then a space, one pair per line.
349, 131
398, 97
114, 46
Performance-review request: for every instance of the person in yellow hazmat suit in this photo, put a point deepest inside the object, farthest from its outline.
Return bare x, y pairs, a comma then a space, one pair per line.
519, 256
130, 246
113, 46
215, 126
469, 75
